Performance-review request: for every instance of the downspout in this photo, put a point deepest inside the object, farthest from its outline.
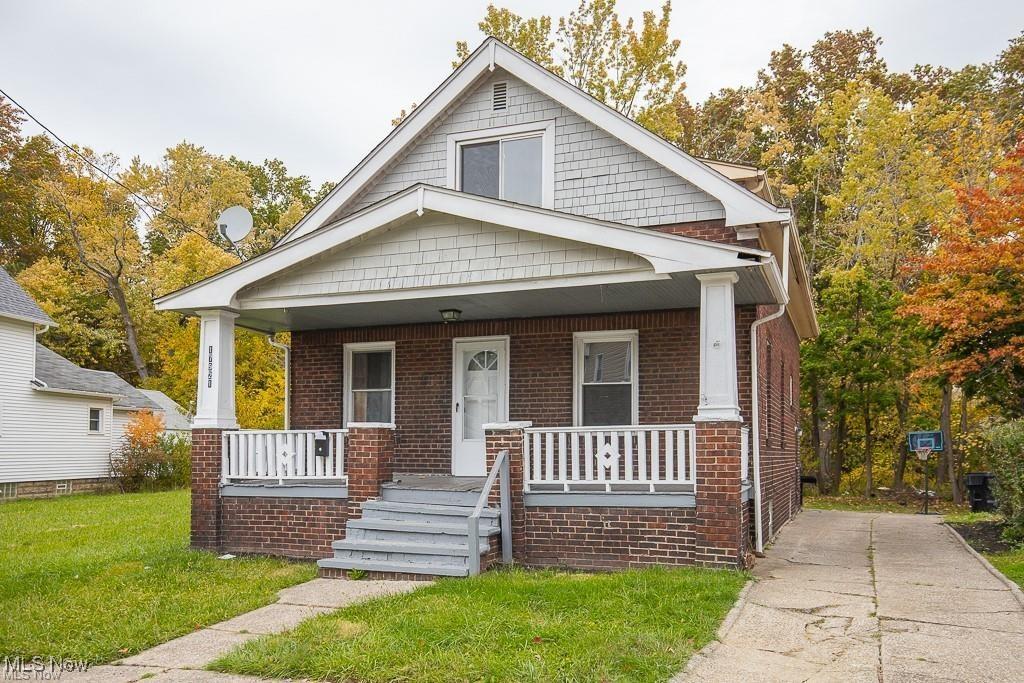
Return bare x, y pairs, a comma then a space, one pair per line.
287, 377
755, 390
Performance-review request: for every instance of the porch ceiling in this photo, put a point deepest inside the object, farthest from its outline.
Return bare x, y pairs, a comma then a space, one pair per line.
648, 292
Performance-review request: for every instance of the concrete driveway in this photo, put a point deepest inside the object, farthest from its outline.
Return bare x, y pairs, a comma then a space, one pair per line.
850, 596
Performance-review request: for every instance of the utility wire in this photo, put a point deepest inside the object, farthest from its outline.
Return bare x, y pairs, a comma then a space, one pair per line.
138, 198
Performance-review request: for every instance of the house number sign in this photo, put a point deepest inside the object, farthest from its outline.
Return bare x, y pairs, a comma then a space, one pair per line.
209, 368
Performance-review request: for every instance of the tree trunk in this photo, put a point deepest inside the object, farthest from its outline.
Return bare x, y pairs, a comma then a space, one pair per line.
820, 453
839, 446
903, 450
955, 454
946, 466
869, 452
132, 339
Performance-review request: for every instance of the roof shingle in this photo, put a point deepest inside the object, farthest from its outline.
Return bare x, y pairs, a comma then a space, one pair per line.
16, 303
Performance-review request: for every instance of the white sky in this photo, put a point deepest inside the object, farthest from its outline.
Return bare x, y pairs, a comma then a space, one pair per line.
316, 83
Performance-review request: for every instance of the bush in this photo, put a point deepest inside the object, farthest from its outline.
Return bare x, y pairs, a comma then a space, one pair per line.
151, 459
1006, 454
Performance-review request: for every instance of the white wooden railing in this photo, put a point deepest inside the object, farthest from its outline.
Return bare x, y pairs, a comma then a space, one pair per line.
645, 458
282, 455
745, 453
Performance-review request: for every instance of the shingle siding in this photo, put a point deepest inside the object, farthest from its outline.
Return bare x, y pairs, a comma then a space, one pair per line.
439, 250
596, 175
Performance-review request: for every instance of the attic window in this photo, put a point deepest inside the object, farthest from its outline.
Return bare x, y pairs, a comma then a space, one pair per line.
499, 98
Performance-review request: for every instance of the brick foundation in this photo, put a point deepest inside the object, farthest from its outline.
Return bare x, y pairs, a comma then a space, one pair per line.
53, 488
606, 538
301, 528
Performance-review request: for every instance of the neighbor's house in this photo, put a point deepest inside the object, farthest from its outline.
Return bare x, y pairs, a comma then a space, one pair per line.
517, 281
59, 422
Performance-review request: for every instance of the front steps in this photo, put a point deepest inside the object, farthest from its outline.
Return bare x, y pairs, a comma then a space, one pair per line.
414, 530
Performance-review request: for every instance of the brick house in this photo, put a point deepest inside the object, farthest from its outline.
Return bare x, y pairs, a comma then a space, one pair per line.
517, 285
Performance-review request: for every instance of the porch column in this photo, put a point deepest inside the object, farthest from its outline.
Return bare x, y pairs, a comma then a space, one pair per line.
215, 403
719, 386
369, 459
509, 436
719, 529
215, 412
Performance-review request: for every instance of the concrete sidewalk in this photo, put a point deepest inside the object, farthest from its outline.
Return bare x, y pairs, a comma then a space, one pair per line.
182, 659
847, 596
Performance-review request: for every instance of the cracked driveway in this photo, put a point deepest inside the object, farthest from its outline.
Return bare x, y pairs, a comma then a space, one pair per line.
851, 596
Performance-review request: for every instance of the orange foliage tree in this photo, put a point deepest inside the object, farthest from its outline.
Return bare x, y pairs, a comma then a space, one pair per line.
971, 293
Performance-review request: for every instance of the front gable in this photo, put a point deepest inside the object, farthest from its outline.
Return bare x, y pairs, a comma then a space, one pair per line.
595, 174
441, 250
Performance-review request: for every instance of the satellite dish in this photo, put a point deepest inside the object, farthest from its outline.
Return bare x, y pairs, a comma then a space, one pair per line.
234, 223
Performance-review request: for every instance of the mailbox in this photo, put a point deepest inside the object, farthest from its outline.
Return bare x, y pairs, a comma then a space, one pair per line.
320, 445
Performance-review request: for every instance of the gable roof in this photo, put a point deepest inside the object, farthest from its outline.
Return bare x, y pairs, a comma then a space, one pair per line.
665, 252
17, 304
175, 417
60, 374
742, 207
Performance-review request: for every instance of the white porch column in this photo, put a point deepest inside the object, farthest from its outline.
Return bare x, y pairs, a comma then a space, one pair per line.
215, 404
719, 384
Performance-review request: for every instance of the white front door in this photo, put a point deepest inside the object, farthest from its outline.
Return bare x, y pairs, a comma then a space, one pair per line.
479, 388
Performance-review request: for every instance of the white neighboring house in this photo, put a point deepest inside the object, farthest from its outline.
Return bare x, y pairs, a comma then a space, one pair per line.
176, 420
58, 422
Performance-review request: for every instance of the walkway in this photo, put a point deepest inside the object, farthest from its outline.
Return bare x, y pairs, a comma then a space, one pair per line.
183, 658
848, 596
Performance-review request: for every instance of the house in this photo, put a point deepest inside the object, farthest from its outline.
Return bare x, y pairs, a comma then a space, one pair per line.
519, 285
176, 420
59, 422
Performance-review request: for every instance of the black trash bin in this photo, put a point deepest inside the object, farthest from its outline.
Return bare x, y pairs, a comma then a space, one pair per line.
979, 491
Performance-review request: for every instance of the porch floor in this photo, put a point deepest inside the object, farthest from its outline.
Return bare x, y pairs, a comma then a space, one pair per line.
438, 482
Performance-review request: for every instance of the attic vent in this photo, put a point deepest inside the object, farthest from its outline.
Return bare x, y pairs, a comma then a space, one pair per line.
500, 97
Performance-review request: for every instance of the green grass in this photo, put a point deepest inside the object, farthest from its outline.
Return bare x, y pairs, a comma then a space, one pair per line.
1010, 563
100, 577
858, 503
515, 625
968, 517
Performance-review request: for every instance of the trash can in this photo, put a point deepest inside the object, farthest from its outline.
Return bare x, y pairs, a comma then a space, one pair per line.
979, 491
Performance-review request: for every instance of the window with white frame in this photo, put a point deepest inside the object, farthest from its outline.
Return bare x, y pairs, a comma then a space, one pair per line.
369, 382
515, 163
605, 372
95, 420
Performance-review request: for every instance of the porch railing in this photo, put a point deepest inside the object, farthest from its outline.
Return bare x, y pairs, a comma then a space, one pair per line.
646, 458
283, 455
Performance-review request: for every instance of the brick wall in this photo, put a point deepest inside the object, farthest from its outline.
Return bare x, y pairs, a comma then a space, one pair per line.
206, 449
720, 535
778, 362
52, 488
540, 374
608, 537
301, 528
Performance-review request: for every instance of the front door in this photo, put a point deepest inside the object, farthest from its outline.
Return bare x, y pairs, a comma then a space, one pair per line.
479, 383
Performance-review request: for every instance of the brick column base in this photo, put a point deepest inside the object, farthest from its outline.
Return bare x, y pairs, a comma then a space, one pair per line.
206, 456
720, 532
501, 437
369, 459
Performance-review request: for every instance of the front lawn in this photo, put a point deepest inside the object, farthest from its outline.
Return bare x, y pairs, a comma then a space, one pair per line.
101, 577
514, 625
879, 503
984, 532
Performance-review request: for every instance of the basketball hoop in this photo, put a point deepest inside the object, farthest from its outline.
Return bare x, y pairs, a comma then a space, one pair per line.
924, 444
923, 453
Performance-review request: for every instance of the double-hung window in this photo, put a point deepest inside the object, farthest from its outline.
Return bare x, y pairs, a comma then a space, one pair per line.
605, 372
514, 163
369, 382
95, 420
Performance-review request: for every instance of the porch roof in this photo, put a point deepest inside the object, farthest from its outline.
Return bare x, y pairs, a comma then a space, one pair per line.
658, 271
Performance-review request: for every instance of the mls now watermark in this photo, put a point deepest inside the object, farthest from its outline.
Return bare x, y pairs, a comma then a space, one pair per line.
38, 668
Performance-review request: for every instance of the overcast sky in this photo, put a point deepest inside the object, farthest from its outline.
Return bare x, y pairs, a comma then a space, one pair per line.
316, 83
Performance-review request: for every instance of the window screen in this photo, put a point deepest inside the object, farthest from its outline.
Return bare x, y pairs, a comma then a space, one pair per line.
480, 169
95, 419
371, 386
607, 378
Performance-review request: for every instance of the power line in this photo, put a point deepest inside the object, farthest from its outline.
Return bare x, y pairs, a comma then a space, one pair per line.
139, 198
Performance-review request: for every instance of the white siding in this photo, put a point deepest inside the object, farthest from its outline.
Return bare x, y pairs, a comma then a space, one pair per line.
596, 175
439, 250
44, 436
121, 420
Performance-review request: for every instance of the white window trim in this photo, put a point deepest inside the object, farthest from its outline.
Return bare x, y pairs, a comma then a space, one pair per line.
349, 349
522, 130
578, 341
103, 421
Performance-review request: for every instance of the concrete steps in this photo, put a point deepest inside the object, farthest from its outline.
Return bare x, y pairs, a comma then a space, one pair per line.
414, 530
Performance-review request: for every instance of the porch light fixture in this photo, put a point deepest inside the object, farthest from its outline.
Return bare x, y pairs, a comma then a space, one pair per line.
450, 315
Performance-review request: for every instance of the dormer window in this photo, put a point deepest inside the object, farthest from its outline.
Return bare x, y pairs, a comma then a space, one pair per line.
514, 163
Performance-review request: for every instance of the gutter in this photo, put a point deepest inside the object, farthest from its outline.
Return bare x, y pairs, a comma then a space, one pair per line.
755, 431
287, 376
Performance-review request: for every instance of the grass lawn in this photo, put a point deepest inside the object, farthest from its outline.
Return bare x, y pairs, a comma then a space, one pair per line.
98, 577
858, 503
515, 625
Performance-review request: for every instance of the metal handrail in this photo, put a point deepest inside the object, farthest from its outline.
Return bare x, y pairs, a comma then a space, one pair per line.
501, 464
